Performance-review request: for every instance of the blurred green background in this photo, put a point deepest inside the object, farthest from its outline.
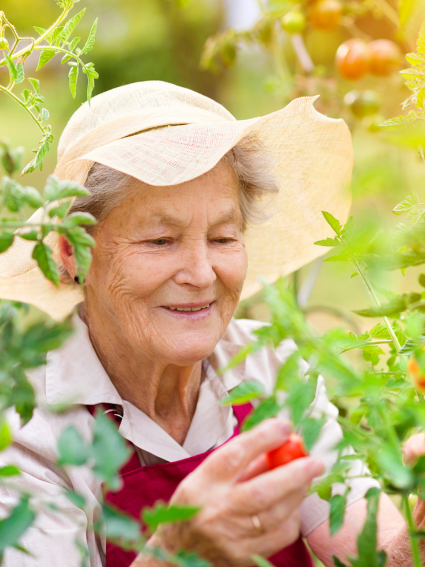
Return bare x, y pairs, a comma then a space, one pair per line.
141, 40
155, 39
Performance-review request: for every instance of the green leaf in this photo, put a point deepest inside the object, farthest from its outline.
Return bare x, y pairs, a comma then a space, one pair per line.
70, 26
109, 450
75, 498
12, 69
45, 57
90, 40
415, 59
391, 465
368, 555
243, 393
92, 74
60, 211
82, 244
43, 255
398, 121
337, 562
336, 519
40, 31
80, 218
311, 429
35, 84
301, 395
9, 470
6, 240
261, 561
5, 435
354, 274
380, 331
71, 448
32, 235
405, 8
74, 43
328, 242
120, 525
332, 222
44, 114
55, 189
396, 305
343, 257
407, 204
20, 74
265, 409
73, 77
411, 345
187, 559
162, 513
14, 526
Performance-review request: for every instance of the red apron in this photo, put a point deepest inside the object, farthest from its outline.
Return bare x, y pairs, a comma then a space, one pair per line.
143, 486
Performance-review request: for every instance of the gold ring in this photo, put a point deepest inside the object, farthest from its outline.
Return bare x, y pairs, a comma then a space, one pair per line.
257, 524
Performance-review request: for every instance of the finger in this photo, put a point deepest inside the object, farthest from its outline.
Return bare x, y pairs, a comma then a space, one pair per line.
271, 542
266, 490
414, 448
256, 467
230, 461
280, 513
419, 513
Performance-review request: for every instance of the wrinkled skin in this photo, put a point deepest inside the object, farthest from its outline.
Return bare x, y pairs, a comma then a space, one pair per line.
164, 247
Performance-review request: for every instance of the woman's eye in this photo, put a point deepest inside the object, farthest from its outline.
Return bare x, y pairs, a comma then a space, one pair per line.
223, 240
159, 241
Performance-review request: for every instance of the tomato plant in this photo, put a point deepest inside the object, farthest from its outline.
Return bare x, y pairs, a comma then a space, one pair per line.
325, 14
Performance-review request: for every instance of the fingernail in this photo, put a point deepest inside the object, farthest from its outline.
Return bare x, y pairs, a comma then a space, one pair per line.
284, 427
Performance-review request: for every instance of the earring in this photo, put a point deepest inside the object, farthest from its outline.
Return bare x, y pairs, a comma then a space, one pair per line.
77, 280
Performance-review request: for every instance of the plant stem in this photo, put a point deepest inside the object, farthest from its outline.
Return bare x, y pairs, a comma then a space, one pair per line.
388, 11
413, 540
41, 38
302, 53
19, 101
375, 298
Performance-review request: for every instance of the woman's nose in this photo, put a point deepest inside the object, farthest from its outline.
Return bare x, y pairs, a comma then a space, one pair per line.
196, 267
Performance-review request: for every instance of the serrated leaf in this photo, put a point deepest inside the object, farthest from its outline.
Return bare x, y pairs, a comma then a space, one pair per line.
406, 204
70, 26
398, 121
40, 31
12, 69
88, 46
6, 241
20, 75
415, 59
73, 78
337, 512
162, 513
35, 84
265, 409
332, 222
16, 524
56, 190
120, 525
80, 218
45, 57
311, 429
397, 305
411, 345
109, 450
74, 43
71, 448
43, 255
246, 391
60, 211
92, 74
328, 242
343, 257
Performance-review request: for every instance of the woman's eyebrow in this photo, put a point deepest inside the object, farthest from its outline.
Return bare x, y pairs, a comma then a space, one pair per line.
170, 220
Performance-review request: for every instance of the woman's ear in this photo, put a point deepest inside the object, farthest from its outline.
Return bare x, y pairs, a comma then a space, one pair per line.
67, 256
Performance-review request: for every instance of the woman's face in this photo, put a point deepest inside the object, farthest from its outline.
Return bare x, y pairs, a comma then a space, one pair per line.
169, 266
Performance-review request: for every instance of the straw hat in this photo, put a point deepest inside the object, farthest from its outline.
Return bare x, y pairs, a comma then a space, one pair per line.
163, 134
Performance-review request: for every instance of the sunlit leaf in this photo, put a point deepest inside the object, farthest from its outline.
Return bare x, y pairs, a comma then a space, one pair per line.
163, 513
43, 255
246, 391
336, 518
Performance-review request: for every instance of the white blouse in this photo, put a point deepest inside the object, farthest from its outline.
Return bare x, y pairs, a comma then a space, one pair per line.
74, 375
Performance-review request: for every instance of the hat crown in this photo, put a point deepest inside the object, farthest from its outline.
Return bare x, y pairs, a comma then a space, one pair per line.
129, 99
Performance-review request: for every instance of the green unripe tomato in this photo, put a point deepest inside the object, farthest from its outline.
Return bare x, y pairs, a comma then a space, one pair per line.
4, 44
372, 122
294, 22
362, 103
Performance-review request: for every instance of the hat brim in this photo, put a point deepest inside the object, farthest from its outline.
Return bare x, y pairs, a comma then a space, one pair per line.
313, 165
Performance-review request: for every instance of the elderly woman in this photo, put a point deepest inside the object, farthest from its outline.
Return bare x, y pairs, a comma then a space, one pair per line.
178, 187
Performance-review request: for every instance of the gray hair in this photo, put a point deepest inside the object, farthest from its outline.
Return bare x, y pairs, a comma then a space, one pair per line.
251, 163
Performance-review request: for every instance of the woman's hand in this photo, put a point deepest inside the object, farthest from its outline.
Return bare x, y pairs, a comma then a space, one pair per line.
412, 450
243, 512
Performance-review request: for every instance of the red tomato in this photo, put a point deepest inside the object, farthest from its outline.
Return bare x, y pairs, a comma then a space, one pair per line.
292, 449
353, 59
325, 14
416, 374
385, 57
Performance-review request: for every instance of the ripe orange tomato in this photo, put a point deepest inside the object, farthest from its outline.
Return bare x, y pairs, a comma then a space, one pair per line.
353, 59
325, 14
292, 449
385, 57
416, 374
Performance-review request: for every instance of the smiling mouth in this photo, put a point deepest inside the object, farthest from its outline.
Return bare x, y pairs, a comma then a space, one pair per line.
189, 308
